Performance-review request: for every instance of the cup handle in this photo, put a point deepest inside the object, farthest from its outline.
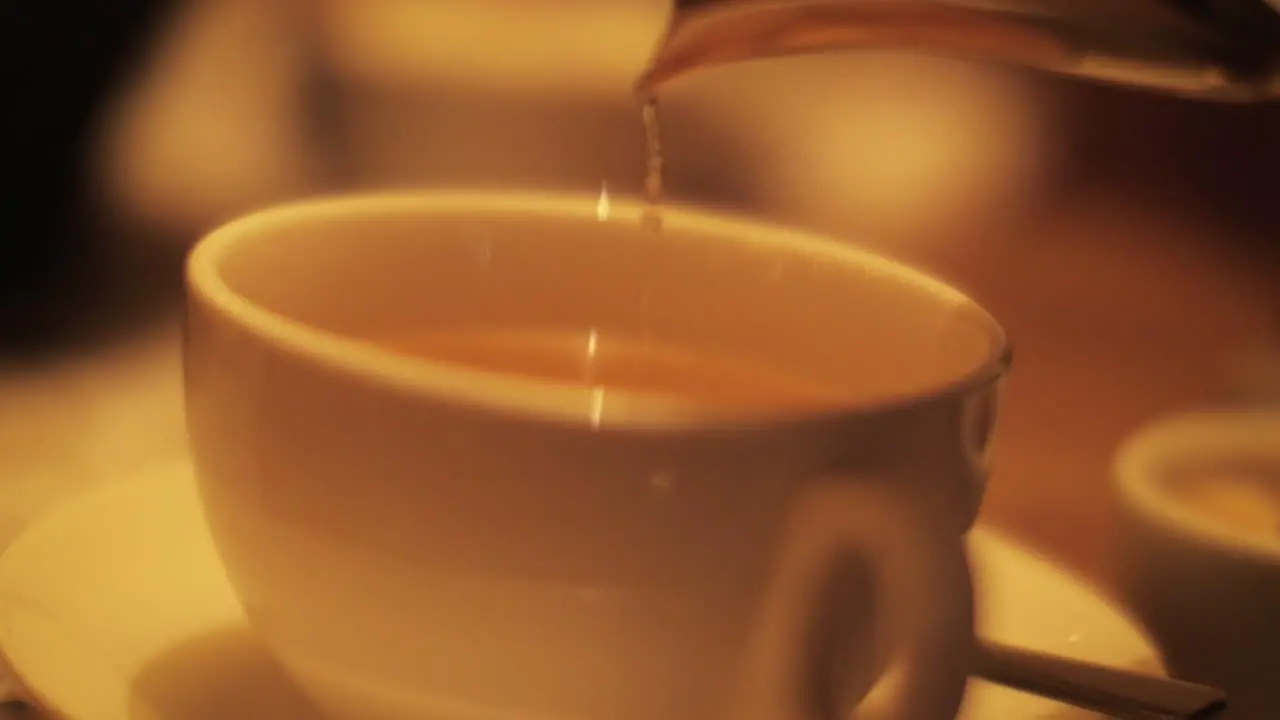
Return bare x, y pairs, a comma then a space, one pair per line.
923, 596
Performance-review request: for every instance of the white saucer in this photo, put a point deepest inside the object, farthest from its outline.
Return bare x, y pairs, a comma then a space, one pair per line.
114, 607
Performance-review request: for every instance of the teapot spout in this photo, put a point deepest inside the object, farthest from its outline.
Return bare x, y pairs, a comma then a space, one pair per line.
1216, 50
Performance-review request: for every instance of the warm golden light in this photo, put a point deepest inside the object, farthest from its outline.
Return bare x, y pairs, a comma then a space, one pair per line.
891, 148
602, 205
585, 44
1245, 502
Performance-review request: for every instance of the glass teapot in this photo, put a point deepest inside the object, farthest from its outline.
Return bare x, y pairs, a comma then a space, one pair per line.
1226, 50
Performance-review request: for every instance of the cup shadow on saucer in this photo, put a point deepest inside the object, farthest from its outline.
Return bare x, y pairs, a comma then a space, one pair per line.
217, 675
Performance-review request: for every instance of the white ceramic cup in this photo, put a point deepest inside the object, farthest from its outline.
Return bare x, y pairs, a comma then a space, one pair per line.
415, 539
1203, 576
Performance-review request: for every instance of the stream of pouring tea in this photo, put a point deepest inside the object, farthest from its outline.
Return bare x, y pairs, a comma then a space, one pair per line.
652, 217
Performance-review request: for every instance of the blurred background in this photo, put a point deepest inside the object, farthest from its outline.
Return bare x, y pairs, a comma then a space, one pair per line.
1128, 242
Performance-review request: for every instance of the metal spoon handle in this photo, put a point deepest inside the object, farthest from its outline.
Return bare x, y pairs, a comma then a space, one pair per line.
1118, 693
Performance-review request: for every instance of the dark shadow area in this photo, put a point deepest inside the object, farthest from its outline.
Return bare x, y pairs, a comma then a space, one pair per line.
221, 675
103, 296
1218, 156
64, 280
840, 637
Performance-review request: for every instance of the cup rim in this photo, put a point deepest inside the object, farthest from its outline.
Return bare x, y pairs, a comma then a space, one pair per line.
543, 401
1195, 435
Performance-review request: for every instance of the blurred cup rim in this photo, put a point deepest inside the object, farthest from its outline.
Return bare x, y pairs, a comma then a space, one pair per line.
538, 400
1144, 461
